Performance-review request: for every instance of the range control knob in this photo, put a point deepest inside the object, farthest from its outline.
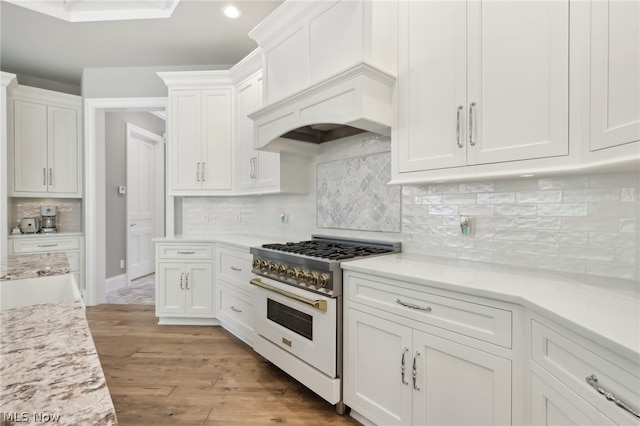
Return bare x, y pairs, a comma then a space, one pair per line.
274, 267
322, 281
293, 273
303, 276
255, 264
313, 278
282, 269
264, 265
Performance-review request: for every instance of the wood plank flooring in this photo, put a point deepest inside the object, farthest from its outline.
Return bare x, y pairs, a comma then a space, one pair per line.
187, 375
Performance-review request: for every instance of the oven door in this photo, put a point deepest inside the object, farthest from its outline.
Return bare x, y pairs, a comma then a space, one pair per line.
300, 322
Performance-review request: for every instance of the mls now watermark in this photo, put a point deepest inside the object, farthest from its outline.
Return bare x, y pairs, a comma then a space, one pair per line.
34, 417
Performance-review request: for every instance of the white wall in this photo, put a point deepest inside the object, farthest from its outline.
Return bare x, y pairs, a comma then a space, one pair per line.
586, 224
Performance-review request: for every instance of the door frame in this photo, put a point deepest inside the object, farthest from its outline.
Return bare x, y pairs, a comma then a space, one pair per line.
135, 132
94, 211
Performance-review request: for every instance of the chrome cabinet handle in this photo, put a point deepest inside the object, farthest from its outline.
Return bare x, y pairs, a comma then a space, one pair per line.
50, 176
255, 167
198, 172
234, 309
415, 372
458, 114
47, 245
471, 141
593, 381
44, 176
412, 306
186, 252
182, 281
233, 268
186, 282
203, 175
252, 173
402, 367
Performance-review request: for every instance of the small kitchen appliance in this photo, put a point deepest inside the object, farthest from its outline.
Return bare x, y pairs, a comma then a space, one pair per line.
29, 225
49, 219
298, 307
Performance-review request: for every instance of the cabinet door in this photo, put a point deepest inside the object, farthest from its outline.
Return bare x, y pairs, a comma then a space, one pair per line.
458, 385
376, 386
29, 147
615, 67
216, 139
518, 79
432, 85
550, 407
249, 99
199, 288
170, 292
186, 128
63, 151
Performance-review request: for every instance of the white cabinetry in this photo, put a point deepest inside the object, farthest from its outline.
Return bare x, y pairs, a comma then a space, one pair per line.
615, 71
71, 245
482, 82
566, 368
235, 295
200, 133
185, 284
416, 355
45, 144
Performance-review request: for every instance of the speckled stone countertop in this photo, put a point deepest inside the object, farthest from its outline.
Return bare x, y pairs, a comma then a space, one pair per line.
49, 367
20, 266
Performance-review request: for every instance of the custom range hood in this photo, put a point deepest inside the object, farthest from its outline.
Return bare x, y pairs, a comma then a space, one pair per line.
356, 100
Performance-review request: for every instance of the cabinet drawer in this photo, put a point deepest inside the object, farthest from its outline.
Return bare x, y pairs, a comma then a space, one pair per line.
235, 313
45, 245
234, 266
471, 319
572, 359
185, 251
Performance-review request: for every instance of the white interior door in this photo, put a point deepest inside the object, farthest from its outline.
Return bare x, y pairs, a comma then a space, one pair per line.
145, 181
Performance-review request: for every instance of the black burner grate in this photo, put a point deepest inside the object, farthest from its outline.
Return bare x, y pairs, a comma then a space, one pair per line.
327, 250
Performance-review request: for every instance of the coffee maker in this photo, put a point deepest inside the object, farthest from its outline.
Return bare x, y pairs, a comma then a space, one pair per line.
48, 224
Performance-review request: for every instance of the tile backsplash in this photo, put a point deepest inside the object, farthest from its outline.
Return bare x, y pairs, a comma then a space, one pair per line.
586, 224
69, 217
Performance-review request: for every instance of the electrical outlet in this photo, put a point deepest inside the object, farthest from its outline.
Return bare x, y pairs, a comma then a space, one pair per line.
121, 263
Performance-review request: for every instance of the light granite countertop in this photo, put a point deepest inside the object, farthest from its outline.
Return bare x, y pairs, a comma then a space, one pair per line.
243, 241
49, 366
605, 310
33, 265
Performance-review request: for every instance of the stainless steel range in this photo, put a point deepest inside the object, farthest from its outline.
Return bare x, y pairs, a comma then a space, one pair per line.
298, 307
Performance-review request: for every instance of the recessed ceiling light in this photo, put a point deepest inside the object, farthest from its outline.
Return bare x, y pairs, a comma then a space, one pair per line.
231, 11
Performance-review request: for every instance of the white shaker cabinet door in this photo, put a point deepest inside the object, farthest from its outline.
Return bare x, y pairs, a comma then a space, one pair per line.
199, 286
615, 73
63, 150
432, 85
517, 81
215, 166
30, 147
170, 293
186, 142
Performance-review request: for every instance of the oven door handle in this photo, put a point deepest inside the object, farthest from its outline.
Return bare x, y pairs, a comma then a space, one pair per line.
320, 305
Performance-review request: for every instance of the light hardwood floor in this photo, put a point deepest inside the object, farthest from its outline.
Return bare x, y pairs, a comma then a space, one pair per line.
187, 375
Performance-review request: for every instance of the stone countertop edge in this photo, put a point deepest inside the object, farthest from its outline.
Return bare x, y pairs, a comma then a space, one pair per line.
242, 241
47, 235
604, 310
33, 265
50, 365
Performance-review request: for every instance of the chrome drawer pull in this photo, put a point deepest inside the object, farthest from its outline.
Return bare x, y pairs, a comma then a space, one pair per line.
47, 245
234, 309
233, 268
415, 372
402, 367
471, 141
182, 281
412, 306
186, 252
593, 381
458, 111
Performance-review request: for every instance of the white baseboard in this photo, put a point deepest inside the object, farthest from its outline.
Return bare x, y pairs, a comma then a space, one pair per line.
114, 283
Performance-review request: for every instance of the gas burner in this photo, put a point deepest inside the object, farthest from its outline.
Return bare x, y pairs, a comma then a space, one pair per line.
329, 250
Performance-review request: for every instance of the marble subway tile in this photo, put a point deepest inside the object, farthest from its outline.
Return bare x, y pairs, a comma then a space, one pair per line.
613, 239
627, 225
443, 209
495, 222
515, 234
606, 254
516, 185
589, 223
536, 197
563, 209
476, 187
476, 210
496, 198
575, 238
445, 188
571, 182
459, 199
628, 194
591, 195
538, 222
626, 255
535, 248
516, 209
613, 209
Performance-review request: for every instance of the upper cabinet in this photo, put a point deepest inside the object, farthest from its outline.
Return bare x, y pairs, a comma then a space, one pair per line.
45, 147
307, 42
200, 133
482, 82
615, 73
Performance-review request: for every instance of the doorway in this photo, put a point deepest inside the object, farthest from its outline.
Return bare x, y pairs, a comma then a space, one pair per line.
145, 199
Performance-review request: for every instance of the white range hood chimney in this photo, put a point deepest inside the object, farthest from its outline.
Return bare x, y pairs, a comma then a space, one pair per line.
328, 72
351, 102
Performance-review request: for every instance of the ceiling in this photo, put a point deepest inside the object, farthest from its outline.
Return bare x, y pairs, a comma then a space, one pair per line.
197, 34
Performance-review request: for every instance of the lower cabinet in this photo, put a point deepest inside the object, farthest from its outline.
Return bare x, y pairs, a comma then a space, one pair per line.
185, 284
403, 368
